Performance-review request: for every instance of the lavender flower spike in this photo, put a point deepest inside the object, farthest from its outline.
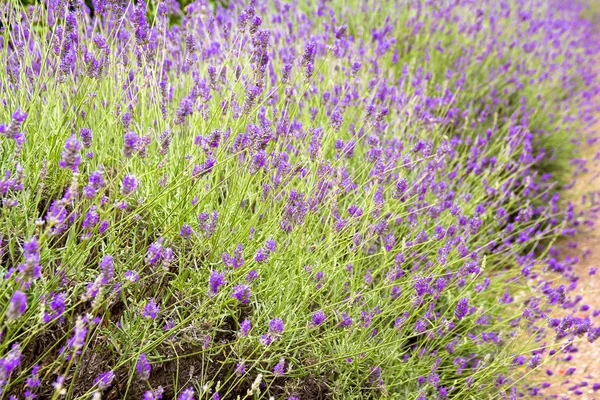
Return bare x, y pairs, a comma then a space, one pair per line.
461, 308
70, 157
17, 305
187, 394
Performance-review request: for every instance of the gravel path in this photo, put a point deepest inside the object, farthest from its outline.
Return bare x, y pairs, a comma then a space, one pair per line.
567, 383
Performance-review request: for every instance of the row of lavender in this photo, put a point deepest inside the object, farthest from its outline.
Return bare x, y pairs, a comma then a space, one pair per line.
297, 200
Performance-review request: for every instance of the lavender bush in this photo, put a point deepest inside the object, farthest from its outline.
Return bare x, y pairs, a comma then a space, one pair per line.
289, 199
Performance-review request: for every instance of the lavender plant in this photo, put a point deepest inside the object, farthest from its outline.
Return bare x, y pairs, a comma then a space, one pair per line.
290, 199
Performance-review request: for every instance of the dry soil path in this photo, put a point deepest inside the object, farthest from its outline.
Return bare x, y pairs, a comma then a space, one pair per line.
567, 383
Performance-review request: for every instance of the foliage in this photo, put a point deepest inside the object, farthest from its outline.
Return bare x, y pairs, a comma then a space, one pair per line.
285, 199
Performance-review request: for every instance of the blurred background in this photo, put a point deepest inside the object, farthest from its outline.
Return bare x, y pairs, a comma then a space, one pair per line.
591, 11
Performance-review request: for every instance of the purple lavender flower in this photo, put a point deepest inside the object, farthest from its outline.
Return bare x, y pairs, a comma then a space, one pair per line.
241, 292
79, 335
309, 71
208, 223
130, 184
276, 326
535, 361
86, 137
346, 320
261, 256
93, 289
155, 252
130, 143
420, 325
95, 183
462, 308
190, 43
17, 305
336, 120
142, 146
279, 368
57, 214
187, 394
32, 382
259, 160
271, 245
70, 157
245, 327
185, 231
215, 280
107, 268
212, 74
186, 108
151, 309
309, 53
251, 276
9, 363
58, 383
143, 367
157, 393
103, 226
126, 119
593, 334
255, 24
165, 141
399, 322
433, 379
318, 317
168, 257
55, 306
240, 368
13, 129
204, 168
30, 269
238, 257
104, 380
91, 218
252, 94
286, 73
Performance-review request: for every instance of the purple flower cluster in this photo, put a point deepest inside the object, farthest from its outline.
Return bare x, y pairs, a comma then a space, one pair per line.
9, 363
263, 253
30, 269
236, 260
390, 170
151, 309
17, 305
215, 280
70, 157
143, 367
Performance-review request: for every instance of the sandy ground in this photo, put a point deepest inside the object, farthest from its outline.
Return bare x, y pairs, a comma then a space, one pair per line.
585, 193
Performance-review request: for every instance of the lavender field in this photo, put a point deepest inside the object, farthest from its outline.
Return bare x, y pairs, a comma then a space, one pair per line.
291, 200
